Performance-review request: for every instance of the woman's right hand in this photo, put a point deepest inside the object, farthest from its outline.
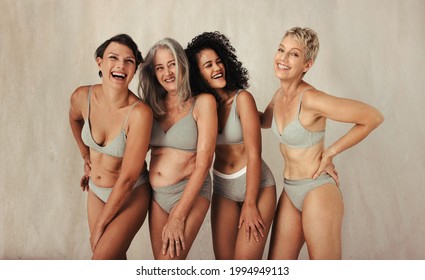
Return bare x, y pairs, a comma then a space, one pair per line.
173, 237
84, 183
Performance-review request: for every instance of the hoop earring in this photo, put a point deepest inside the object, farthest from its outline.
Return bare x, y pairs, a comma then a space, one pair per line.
100, 73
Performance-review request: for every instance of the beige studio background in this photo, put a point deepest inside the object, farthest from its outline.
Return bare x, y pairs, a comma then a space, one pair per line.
370, 50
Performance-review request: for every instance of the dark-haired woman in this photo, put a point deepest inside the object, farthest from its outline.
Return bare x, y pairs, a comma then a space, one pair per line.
112, 129
244, 197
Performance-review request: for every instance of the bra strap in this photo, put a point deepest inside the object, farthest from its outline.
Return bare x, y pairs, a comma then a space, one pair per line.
301, 98
88, 103
128, 114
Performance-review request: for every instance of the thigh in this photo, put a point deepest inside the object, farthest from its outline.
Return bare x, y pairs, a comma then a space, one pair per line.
266, 206
120, 232
94, 208
224, 224
287, 236
323, 210
194, 221
157, 220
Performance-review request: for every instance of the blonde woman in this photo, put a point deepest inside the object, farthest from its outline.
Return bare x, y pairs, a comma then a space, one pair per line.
311, 207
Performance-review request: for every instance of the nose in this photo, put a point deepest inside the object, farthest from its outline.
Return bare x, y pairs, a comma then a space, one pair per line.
216, 67
120, 64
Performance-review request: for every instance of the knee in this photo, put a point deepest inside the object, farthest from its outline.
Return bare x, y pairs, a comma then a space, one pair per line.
99, 254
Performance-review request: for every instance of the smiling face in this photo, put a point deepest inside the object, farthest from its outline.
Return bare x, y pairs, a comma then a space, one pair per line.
165, 69
118, 65
211, 68
289, 61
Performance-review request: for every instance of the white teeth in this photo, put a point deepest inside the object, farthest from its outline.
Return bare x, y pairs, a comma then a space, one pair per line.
283, 67
118, 75
170, 80
218, 76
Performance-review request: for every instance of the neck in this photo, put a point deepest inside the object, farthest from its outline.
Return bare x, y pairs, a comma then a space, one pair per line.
115, 98
224, 94
290, 88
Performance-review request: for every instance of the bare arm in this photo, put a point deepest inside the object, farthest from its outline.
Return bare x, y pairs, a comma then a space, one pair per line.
252, 140
78, 103
266, 117
138, 136
207, 133
205, 113
76, 120
365, 118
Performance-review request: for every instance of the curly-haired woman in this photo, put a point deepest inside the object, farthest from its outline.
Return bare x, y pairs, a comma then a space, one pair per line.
244, 196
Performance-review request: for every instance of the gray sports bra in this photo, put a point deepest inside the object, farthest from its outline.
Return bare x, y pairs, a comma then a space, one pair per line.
232, 131
183, 135
295, 135
116, 147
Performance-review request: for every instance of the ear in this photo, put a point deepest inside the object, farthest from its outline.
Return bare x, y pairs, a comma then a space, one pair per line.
99, 62
308, 65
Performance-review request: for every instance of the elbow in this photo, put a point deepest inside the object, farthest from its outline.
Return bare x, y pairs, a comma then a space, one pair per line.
127, 184
378, 119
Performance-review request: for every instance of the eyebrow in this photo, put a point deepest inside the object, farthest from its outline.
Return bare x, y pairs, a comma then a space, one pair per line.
132, 57
209, 61
290, 49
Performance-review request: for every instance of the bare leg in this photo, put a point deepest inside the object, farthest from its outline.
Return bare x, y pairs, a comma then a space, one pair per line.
323, 210
224, 224
253, 250
158, 218
118, 235
287, 236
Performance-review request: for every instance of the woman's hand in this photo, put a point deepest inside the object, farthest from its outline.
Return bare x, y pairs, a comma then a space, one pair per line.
84, 183
173, 236
254, 224
326, 165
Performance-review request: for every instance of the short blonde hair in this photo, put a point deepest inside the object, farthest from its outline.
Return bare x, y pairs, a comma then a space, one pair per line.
308, 38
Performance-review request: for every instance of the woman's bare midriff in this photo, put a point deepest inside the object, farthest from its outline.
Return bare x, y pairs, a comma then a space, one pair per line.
301, 163
230, 158
105, 169
169, 166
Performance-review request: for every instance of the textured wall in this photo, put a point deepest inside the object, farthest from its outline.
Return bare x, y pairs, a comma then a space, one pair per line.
370, 50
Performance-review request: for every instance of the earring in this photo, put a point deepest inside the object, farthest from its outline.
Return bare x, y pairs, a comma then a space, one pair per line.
100, 73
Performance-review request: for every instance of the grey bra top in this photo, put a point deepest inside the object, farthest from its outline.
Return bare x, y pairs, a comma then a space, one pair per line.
232, 131
295, 135
183, 135
116, 147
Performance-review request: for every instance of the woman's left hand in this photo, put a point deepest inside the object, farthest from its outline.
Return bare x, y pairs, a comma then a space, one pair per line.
173, 236
254, 224
326, 165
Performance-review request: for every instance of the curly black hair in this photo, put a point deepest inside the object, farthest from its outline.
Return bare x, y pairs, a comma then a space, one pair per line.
236, 75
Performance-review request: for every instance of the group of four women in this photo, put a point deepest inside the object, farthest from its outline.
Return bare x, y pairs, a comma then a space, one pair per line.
195, 112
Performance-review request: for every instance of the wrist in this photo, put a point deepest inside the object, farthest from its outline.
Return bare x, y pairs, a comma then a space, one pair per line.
249, 203
176, 215
330, 152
